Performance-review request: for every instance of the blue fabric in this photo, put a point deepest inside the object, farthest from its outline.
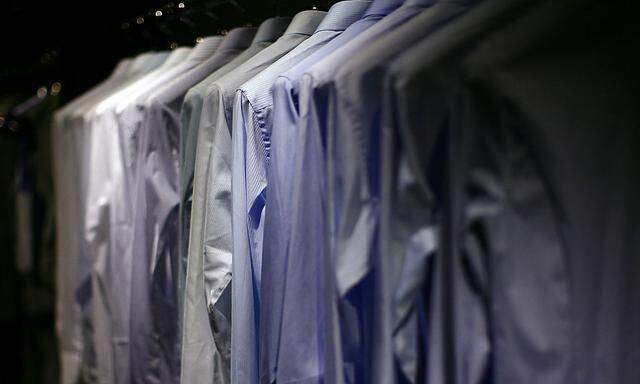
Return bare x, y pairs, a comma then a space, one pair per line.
357, 137
285, 152
353, 334
266, 99
285, 149
229, 197
201, 359
154, 314
253, 124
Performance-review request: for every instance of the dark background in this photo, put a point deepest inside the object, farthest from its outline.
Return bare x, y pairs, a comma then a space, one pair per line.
76, 44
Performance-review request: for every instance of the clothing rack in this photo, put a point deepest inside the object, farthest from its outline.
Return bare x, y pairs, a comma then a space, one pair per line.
182, 22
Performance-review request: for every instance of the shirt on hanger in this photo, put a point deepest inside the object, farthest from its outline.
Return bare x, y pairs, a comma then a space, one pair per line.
532, 216
200, 358
258, 106
236, 41
153, 291
318, 111
77, 151
116, 141
356, 189
108, 232
416, 174
108, 235
216, 117
68, 311
282, 164
159, 150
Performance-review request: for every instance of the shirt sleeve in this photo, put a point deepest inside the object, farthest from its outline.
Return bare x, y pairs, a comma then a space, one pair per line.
197, 335
244, 305
280, 172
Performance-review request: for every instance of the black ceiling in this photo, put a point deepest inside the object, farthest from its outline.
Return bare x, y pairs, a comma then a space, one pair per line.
78, 43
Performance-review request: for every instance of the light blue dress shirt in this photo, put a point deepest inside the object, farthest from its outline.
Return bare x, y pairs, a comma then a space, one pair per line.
280, 178
252, 113
277, 211
312, 247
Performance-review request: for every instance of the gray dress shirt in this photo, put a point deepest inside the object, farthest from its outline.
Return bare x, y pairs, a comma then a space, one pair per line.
201, 360
542, 241
236, 41
415, 155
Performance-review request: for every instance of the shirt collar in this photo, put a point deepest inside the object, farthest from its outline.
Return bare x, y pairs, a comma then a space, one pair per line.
382, 7
139, 62
121, 68
157, 59
271, 29
176, 56
305, 23
205, 48
238, 38
343, 14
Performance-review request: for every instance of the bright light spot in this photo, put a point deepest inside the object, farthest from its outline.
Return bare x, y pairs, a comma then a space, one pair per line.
55, 88
158, 13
